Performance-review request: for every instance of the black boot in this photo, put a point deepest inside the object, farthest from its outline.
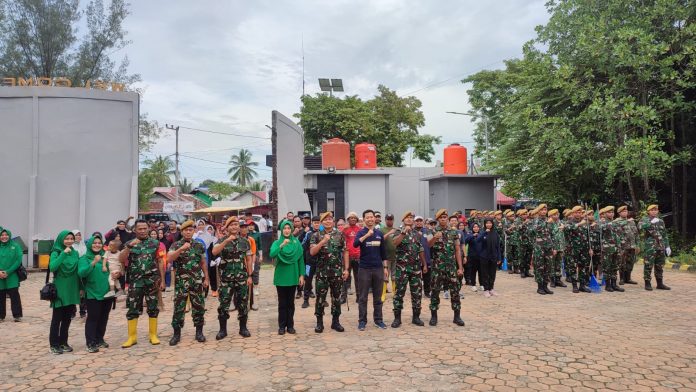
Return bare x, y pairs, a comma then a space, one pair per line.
628, 280
397, 319
433, 318
540, 289
621, 278
648, 286
199, 334
336, 325
546, 288
615, 286
584, 288
176, 337
305, 304
559, 283
608, 286
511, 271
553, 282
575, 287
416, 318
320, 325
528, 274
662, 286
457, 319
243, 327
223, 330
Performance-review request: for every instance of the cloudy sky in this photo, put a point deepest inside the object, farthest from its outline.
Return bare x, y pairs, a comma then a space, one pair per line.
223, 66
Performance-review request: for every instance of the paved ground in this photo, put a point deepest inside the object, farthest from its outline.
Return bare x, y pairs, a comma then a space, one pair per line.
633, 341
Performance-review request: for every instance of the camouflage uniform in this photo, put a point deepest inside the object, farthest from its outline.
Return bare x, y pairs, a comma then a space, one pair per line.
543, 249
408, 269
233, 278
512, 231
444, 268
559, 244
499, 226
143, 279
329, 270
596, 247
578, 258
188, 282
629, 243
610, 248
526, 245
655, 242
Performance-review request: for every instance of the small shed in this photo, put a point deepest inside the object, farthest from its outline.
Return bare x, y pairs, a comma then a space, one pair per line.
461, 192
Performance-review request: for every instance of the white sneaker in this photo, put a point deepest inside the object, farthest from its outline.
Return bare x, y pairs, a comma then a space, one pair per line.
482, 289
486, 294
256, 291
474, 288
447, 295
493, 293
110, 294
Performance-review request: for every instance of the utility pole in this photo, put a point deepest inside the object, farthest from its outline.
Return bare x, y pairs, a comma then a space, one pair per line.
176, 154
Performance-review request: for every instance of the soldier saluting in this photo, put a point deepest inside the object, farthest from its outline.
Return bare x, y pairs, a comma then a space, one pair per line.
656, 247
190, 272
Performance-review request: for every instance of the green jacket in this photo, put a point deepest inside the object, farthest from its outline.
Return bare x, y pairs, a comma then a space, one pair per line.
64, 268
289, 264
94, 279
10, 260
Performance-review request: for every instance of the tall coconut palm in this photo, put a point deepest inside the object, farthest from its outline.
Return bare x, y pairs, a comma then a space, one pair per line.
161, 169
241, 170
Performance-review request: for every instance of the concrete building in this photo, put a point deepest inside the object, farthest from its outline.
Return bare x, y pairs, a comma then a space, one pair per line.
69, 159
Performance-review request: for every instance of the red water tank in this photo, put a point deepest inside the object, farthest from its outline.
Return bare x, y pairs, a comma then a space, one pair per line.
335, 152
365, 156
455, 159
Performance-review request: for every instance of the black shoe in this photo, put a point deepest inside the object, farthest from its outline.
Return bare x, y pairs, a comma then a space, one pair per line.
540, 289
320, 325
305, 304
608, 286
584, 288
176, 337
56, 350
281, 331
621, 278
66, 348
297, 296
336, 325
523, 274
199, 334
553, 283
575, 287
648, 286
92, 349
433, 318
559, 283
397, 319
243, 331
615, 287
546, 288
223, 330
662, 286
103, 344
416, 318
311, 294
291, 331
457, 319
628, 280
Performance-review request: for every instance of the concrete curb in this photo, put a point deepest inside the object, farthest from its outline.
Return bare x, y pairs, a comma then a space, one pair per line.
675, 266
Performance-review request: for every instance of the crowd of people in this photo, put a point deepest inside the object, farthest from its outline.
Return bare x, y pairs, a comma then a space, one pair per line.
315, 257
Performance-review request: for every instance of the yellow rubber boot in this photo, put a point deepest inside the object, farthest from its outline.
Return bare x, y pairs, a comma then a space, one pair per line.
384, 292
394, 286
153, 331
132, 334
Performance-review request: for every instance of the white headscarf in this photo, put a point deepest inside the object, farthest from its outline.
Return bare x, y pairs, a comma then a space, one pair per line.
80, 247
206, 237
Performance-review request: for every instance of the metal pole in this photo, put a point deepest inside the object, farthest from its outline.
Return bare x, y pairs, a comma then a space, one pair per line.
176, 154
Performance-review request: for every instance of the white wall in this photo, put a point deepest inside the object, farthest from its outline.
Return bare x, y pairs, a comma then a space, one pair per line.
366, 192
290, 165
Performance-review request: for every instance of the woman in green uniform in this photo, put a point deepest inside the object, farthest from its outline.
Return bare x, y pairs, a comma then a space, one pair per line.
95, 277
63, 264
288, 275
10, 260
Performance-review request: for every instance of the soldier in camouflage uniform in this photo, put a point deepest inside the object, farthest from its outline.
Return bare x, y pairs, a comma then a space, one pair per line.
499, 225
512, 242
609, 237
579, 252
235, 271
525, 237
655, 247
333, 263
410, 261
190, 272
596, 245
629, 243
145, 278
559, 244
544, 251
446, 262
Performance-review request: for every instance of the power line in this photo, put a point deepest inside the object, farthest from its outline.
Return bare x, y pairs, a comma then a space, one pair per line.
226, 133
435, 84
221, 163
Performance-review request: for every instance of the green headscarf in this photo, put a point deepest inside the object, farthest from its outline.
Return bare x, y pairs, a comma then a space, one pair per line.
290, 253
90, 254
58, 244
9, 242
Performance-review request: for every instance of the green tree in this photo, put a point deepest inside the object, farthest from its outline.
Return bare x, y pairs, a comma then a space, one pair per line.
161, 170
220, 189
387, 120
241, 168
256, 186
185, 186
145, 185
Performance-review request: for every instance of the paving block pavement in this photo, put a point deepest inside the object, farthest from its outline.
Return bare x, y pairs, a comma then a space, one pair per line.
632, 341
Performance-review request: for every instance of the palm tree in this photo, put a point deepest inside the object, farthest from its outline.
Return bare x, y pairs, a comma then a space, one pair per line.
185, 186
256, 186
161, 169
241, 171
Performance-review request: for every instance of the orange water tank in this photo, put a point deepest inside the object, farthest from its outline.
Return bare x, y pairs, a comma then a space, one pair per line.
455, 159
335, 152
365, 156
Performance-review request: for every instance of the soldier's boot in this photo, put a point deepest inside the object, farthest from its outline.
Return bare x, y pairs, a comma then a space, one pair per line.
243, 331
540, 289
559, 282
305, 304
397, 319
615, 286
222, 333
176, 337
546, 288
457, 318
553, 282
575, 287
511, 271
628, 280
199, 334
433, 318
621, 278
154, 340
336, 325
528, 274
320, 325
416, 318
584, 288
522, 274
608, 287
648, 286
132, 334
662, 286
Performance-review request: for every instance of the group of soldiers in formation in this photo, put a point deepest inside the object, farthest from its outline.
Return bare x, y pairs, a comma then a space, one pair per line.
537, 239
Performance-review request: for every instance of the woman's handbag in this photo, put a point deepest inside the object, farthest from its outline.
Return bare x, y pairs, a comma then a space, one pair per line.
22, 273
49, 291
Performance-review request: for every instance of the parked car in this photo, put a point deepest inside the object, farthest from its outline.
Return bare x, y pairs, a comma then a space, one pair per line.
162, 217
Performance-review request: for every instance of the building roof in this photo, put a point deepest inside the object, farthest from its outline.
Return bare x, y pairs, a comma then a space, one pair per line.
447, 176
503, 200
258, 194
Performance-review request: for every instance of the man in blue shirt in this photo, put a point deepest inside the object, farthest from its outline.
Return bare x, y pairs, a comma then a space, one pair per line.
373, 270
426, 235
